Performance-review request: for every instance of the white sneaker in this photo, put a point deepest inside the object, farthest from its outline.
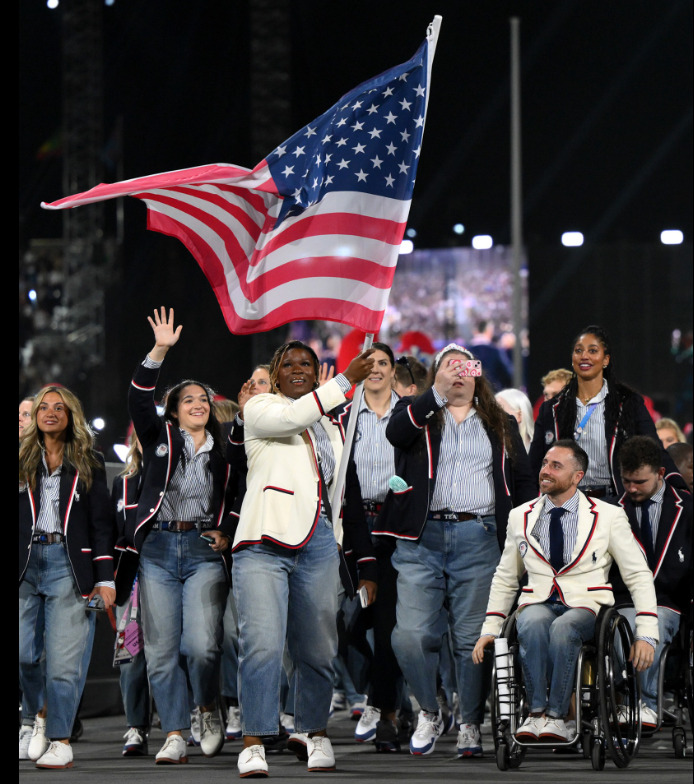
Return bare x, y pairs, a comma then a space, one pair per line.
251, 762
25, 733
555, 729
135, 743
57, 756
429, 730
38, 744
469, 741
287, 721
211, 733
194, 737
320, 754
366, 727
529, 731
233, 728
649, 718
298, 745
173, 752
356, 710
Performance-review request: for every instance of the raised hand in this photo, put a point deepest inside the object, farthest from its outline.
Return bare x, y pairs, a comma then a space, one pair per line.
165, 334
360, 367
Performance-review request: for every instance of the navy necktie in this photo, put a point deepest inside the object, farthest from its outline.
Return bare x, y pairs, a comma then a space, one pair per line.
647, 534
556, 538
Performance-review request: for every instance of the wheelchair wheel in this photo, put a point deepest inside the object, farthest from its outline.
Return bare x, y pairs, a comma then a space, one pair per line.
619, 692
679, 742
597, 754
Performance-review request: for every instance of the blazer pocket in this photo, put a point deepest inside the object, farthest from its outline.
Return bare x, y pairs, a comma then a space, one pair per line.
278, 489
599, 588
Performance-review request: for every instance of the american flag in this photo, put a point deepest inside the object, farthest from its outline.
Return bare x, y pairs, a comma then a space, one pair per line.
314, 230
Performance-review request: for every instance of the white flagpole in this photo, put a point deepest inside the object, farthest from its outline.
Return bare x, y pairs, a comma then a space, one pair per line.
336, 500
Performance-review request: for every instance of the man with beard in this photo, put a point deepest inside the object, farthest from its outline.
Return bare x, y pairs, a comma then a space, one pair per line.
566, 542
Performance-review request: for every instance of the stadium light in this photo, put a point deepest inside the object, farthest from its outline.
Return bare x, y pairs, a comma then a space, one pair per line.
406, 246
52, 4
572, 239
122, 451
671, 237
458, 229
482, 242
411, 233
98, 423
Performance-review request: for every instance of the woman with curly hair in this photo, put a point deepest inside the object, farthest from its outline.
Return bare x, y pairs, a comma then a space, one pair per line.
598, 412
65, 561
461, 466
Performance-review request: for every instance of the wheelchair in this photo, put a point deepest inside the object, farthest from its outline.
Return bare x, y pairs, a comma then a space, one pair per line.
607, 698
675, 679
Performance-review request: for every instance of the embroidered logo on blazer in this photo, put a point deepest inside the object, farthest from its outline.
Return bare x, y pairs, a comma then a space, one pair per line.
549, 437
162, 450
523, 548
120, 505
77, 496
680, 555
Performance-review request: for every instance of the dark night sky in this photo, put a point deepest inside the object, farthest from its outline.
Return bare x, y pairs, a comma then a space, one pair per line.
606, 93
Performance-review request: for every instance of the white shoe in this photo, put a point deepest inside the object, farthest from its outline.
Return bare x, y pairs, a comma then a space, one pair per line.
649, 718
211, 733
555, 729
194, 738
366, 727
320, 754
469, 741
233, 728
135, 743
298, 745
173, 752
25, 733
287, 721
58, 755
251, 762
529, 731
429, 730
38, 744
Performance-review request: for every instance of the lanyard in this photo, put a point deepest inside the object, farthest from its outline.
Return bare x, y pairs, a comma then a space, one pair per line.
584, 421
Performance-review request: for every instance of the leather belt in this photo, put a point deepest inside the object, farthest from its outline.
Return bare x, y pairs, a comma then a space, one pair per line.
454, 516
372, 506
47, 538
181, 526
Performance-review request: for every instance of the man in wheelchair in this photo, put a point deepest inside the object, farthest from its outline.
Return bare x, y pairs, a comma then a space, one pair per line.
566, 542
660, 516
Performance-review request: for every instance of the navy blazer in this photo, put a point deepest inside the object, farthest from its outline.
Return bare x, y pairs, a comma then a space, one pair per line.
125, 493
162, 447
673, 551
547, 431
417, 446
87, 524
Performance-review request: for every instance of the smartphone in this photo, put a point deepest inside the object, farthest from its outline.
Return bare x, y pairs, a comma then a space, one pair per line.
473, 367
96, 603
363, 596
207, 538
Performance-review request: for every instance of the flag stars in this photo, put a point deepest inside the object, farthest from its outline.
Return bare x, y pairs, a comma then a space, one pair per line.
388, 91
357, 105
341, 122
403, 167
361, 175
419, 91
359, 148
405, 104
343, 164
288, 170
391, 148
372, 109
310, 131
341, 142
298, 151
281, 150
375, 133
376, 162
419, 122
404, 135
389, 181
391, 118
358, 126
326, 138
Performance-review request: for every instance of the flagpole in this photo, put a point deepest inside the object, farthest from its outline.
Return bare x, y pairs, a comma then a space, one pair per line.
336, 501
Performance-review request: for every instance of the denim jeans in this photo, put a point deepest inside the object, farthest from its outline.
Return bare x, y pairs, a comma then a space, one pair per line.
451, 566
230, 651
550, 636
287, 594
134, 685
183, 590
668, 626
52, 617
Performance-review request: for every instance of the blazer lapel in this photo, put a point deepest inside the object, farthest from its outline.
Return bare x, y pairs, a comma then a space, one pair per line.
531, 518
587, 521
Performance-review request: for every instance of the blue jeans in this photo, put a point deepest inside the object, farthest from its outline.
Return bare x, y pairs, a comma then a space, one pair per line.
134, 686
550, 636
230, 651
451, 566
183, 590
52, 617
668, 626
287, 594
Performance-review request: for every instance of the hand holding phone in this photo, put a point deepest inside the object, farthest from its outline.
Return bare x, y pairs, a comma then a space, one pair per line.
363, 595
96, 603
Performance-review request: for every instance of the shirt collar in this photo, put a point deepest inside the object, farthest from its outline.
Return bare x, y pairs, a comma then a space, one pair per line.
599, 398
190, 446
570, 506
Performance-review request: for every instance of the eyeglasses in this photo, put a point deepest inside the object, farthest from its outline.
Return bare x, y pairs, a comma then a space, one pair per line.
405, 362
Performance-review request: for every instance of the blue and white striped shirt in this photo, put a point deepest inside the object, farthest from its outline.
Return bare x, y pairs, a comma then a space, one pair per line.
569, 524
189, 494
48, 520
373, 453
654, 510
592, 440
464, 478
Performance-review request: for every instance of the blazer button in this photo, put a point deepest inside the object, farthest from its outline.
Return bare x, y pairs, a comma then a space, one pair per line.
151, 510
161, 493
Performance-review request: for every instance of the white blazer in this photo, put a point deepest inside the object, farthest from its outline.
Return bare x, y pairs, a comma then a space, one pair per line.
283, 493
603, 535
